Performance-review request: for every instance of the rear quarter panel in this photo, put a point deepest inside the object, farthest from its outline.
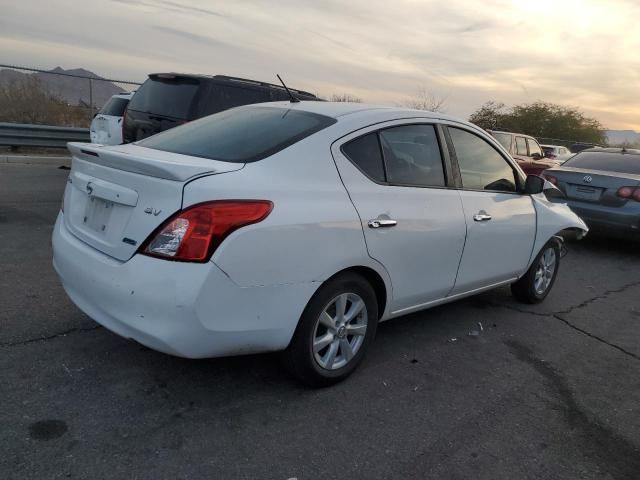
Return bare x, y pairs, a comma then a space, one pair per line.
313, 231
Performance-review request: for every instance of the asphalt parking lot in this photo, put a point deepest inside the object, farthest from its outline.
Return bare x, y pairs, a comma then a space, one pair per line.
541, 392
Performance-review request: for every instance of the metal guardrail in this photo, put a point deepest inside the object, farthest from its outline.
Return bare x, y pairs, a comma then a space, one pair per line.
47, 136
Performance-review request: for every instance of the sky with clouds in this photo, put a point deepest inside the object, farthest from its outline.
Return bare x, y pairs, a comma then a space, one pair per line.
583, 53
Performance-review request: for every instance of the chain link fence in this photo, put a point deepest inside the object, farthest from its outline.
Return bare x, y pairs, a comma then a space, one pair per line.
56, 97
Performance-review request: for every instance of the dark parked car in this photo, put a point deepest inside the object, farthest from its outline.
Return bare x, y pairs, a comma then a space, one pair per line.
166, 100
602, 185
525, 150
578, 147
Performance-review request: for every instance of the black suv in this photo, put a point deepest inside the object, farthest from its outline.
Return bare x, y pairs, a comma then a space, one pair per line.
166, 100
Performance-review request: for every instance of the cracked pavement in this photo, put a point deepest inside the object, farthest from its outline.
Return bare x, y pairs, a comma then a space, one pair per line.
544, 392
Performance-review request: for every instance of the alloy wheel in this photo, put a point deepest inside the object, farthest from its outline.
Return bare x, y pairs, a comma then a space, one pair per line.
545, 270
340, 331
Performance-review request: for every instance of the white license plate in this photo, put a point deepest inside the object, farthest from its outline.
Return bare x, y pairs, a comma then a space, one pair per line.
97, 214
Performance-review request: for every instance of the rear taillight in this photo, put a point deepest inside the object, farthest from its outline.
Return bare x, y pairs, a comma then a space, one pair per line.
551, 179
193, 234
629, 193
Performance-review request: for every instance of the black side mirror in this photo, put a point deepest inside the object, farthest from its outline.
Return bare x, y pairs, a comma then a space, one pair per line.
533, 185
536, 156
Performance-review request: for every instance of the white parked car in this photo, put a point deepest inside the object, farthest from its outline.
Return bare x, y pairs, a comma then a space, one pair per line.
298, 227
557, 153
106, 126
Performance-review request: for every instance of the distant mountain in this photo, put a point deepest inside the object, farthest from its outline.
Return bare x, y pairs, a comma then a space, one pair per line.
618, 137
75, 91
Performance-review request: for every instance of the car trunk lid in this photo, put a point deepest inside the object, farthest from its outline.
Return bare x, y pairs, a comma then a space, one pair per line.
595, 186
117, 196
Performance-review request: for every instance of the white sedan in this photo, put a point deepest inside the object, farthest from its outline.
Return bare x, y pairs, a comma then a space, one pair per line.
298, 227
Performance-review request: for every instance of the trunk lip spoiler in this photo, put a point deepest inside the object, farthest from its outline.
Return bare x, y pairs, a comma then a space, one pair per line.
184, 168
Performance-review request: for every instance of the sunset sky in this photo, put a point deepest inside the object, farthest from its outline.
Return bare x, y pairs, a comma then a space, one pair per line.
584, 53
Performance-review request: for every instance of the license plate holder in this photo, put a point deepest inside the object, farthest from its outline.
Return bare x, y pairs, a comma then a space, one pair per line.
97, 214
583, 192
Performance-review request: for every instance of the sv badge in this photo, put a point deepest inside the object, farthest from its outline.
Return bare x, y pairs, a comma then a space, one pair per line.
153, 211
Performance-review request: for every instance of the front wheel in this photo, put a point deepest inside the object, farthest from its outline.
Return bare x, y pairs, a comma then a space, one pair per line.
536, 284
334, 331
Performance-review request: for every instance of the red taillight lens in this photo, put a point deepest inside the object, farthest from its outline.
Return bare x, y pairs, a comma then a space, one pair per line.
625, 192
551, 179
629, 193
193, 234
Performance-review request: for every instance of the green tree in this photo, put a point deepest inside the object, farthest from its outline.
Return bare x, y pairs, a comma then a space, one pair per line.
540, 119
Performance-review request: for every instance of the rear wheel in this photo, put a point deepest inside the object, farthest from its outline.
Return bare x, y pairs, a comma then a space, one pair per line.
334, 332
536, 284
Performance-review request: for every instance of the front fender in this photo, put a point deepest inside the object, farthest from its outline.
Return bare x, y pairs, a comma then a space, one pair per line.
553, 218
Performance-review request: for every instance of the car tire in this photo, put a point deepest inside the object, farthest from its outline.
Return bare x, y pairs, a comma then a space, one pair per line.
328, 346
536, 284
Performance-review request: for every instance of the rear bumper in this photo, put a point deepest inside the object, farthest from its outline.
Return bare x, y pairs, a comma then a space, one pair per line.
183, 309
614, 219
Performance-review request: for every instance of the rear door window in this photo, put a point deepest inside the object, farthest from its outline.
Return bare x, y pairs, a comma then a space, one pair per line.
170, 97
521, 146
240, 135
412, 156
365, 153
115, 106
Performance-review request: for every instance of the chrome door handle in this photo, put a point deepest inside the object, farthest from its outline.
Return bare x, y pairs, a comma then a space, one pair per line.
482, 216
379, 223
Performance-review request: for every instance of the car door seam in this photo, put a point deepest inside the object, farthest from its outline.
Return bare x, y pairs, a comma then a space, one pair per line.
464, 245
364, 237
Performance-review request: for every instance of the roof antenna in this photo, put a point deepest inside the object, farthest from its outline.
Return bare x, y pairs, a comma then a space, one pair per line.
293, 98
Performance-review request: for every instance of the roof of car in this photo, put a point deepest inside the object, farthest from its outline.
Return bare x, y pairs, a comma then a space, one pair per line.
342, 109
627, 151
510, 133
227, 78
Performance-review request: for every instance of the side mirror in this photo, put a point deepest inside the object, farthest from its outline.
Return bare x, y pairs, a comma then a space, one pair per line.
533, 185
536, 156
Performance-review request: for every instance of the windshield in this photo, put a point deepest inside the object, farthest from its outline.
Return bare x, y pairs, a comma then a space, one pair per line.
244, 134
608, 162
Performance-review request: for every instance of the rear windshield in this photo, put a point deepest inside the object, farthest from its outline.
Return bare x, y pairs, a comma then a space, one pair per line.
503, 138
167, 97
549, 149
115, 106
608, 162
240, 135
